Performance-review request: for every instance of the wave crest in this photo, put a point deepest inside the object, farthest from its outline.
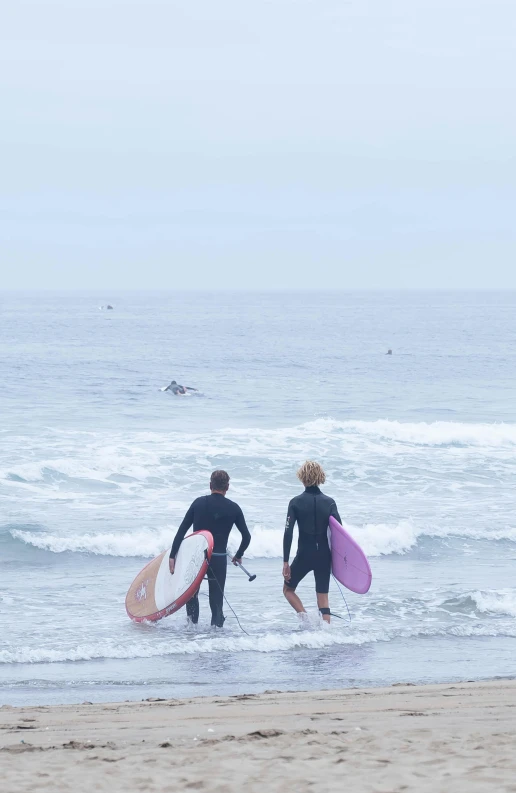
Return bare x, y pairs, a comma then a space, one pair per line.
258, 643
376, 540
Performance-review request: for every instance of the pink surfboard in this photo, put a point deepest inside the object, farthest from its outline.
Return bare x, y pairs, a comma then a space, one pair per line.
349, 563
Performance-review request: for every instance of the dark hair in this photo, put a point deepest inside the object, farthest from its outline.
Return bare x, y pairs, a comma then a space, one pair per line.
219, 480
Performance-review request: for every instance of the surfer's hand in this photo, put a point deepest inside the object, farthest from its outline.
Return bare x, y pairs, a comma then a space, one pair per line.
171, 565
237, 560
286, 571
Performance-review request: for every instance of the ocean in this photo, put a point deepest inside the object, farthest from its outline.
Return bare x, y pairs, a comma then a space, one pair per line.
98, 466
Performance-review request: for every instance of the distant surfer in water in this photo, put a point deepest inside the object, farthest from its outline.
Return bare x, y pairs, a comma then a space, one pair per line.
179, 390
311, 510
217, 514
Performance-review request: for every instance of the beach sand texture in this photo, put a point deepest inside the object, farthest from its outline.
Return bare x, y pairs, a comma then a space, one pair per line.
439, 738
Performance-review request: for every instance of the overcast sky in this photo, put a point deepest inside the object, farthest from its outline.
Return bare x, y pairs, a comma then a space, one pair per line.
258, 144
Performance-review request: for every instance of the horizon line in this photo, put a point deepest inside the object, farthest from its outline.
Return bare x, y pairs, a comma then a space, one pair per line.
248, 290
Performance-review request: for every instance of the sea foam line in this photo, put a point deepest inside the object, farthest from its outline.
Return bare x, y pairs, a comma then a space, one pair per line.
138, 455
376, 540
264, 643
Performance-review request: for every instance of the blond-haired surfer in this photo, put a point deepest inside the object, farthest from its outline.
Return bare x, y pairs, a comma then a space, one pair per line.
311, 510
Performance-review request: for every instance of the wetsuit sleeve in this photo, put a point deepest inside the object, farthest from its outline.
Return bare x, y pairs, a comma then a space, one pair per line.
289, 531
335, 512
244, 531
180, 535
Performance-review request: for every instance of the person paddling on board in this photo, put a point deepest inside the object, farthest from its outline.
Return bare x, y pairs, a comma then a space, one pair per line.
311, 510
179, 390
217, 514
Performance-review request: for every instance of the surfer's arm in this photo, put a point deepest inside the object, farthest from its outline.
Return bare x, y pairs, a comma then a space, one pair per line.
289, 531
180, 534
244, 531
335, 513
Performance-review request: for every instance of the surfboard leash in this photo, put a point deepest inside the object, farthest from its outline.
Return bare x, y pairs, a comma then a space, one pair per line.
343, 598
229, 604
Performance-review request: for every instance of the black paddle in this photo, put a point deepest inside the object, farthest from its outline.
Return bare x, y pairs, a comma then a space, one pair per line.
239, 564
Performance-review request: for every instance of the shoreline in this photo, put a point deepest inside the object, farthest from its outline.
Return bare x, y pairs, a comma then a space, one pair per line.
439, 737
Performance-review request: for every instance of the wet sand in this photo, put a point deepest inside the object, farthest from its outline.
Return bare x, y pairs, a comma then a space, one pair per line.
439, 738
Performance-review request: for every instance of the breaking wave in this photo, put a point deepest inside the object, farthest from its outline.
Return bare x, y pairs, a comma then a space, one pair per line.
264, 643
496, 602
121, 459
375, 539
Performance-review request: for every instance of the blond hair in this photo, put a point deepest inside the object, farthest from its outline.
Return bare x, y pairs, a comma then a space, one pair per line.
311, 474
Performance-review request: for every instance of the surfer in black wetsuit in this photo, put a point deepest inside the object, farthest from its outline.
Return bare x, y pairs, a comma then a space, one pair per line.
217, 514
179, 390
311, 510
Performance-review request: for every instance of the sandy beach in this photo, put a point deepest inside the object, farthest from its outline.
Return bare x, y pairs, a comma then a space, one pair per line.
456, 737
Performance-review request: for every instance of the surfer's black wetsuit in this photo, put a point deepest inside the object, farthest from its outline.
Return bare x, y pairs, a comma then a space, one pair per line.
217, 514
178, 389
311, 510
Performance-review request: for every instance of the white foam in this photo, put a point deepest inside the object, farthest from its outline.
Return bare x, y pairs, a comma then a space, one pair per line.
437, 433
265, 543
376, 540
502, 602
258, 643
383, 538
423, 477
140, 454
145, 543
268, 643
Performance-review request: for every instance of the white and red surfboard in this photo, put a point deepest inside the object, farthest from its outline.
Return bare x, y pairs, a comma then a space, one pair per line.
155, 593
